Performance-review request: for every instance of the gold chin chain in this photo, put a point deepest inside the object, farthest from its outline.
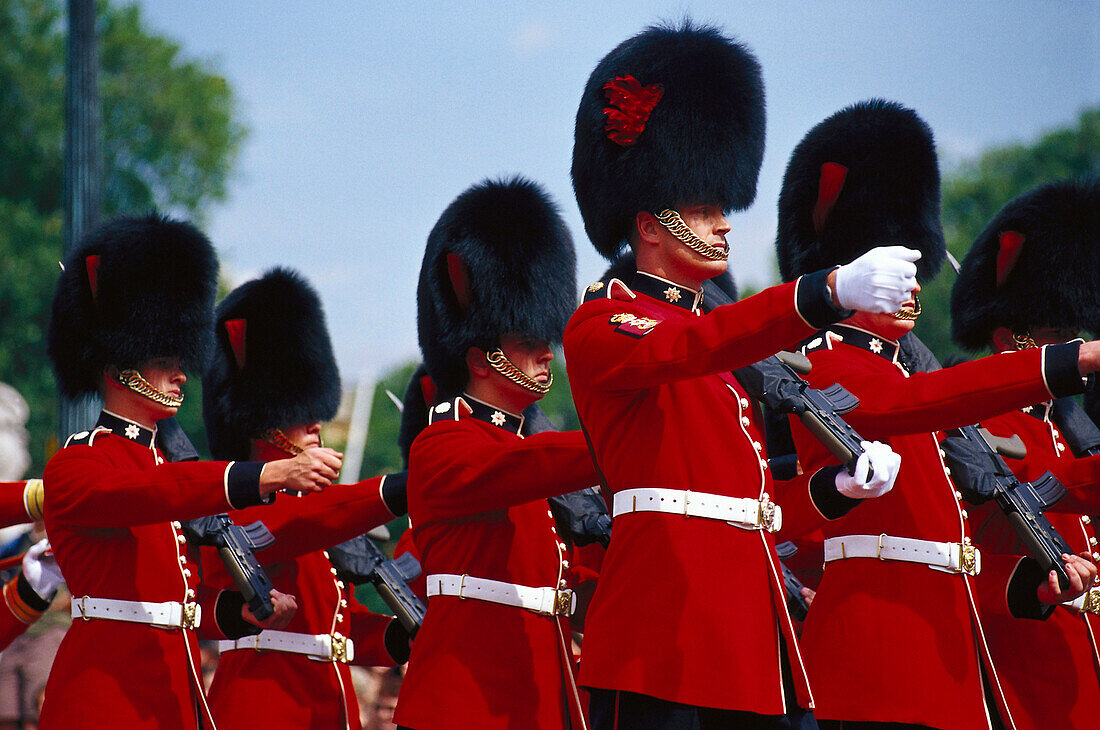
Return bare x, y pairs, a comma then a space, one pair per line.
499, 362
906, 314
132, 379
278, 439
675, 225
1024, 341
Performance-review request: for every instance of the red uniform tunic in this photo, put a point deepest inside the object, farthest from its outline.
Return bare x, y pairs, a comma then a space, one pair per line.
689, 610
1059, 683
477, 507
299, 692
893, 641
109, 499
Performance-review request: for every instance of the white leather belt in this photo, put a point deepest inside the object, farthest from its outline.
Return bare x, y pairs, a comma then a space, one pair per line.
1088, 602
168, 615
948, 557
544, 601
743, 512
319, 647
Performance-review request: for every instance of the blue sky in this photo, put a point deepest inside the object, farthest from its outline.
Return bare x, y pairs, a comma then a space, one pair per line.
368, 118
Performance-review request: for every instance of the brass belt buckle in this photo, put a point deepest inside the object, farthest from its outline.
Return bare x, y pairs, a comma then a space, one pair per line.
878, 553
969, 557
563, 602
765, 516
1092, 602
339, 651
187, 616
80, 605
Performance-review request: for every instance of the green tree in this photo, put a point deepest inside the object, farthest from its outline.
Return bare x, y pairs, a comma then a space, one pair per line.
974, 193
171, 137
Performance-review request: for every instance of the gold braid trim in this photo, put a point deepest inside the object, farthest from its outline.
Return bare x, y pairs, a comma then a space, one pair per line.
34, 495
499, 362
278, 439
675, 225
132, 379
906, 314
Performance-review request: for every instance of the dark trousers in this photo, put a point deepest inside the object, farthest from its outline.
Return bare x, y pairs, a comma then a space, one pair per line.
849, 725
614, 710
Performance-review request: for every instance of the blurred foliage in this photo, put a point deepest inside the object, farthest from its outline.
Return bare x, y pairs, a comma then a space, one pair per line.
170, 139
974, 193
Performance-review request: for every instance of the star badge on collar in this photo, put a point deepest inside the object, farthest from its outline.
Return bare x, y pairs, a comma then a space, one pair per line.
672, 294
132, 432
497, 418
876, 345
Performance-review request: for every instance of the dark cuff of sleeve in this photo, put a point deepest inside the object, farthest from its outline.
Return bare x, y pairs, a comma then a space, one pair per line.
1060, 371
814, 300
242, 484
227, 613
395, 492
396, 641
28, 595
1022, 593
784, 468
829, 502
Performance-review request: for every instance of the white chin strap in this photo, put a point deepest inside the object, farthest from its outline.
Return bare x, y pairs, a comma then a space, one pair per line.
675, 225
132, 379
499, 362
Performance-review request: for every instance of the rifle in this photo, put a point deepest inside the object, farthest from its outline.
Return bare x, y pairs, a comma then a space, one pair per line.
776, 382
235, 545
792, 586
359, 561
979, 472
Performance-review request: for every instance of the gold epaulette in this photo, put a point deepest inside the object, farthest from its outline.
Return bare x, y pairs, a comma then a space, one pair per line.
34, 495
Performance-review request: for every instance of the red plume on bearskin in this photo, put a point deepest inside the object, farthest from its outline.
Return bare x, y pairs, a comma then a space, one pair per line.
1036, 264
631, 105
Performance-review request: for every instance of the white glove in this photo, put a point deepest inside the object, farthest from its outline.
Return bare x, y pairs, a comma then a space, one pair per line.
883, 464
41, 571
880, 280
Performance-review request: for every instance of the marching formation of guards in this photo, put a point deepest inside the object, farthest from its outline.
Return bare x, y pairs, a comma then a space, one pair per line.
933, 609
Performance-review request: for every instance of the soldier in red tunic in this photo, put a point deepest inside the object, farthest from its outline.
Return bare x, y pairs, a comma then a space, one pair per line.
132, 309
895, 634
1030, 280
689, 625
272, 381
496, 287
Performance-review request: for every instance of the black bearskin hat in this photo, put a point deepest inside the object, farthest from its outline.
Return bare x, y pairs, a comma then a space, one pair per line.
867, 176
1035, 264
134, 289
672, 116
273, 366
499, 260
